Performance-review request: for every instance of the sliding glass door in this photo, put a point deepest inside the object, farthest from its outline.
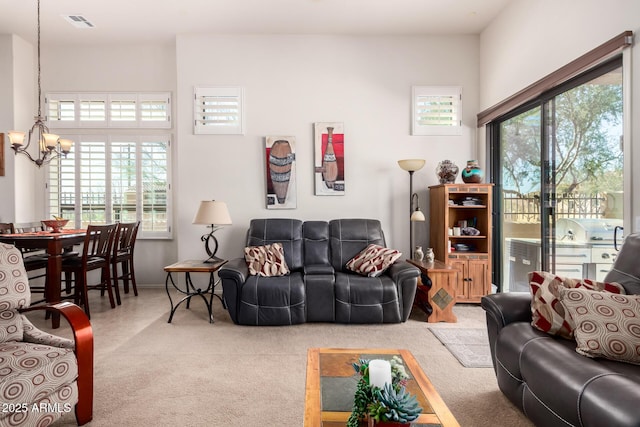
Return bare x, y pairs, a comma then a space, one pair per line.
558, 167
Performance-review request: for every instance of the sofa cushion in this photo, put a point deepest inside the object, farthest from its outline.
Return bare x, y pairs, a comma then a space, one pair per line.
366, 299
607, 325
347, 237
548, 315
31, 371
273, 300
373, 260
285, 231
266, 261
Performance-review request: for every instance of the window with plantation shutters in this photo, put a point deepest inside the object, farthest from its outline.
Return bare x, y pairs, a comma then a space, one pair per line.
109, 110
218, 110
436, 110
61, 111
109, 178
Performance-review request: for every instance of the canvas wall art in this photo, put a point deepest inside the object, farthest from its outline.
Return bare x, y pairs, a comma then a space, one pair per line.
329, 158
281, 172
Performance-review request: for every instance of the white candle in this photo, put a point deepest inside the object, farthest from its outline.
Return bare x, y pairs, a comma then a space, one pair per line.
379, 373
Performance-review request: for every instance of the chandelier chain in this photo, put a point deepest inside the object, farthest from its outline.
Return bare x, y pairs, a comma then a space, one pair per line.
39, 83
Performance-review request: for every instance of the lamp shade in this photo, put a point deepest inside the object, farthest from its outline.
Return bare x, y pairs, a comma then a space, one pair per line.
417, 215
411, 165
212, 212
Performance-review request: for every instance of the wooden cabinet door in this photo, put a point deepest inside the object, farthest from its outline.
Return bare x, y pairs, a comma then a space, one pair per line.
461, 281
477, 279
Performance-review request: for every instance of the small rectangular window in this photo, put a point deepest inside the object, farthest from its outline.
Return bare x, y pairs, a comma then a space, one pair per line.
61, 110
109, 110
93, 110
219, 110
436, 110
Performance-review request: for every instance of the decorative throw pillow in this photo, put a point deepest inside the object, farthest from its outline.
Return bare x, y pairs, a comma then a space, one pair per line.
373, 260
548, 315
607, 325
266, 261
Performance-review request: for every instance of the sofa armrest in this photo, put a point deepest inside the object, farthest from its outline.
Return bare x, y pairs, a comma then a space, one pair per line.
501, 310
506, 308
83, 337
233, 275
321, 269
405, 276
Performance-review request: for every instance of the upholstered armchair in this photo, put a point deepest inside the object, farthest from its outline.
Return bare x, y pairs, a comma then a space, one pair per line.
42, 376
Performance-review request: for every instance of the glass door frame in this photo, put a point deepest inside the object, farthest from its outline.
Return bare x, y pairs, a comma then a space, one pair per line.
547, 194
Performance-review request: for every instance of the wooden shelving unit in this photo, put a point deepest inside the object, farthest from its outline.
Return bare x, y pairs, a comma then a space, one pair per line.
471, 255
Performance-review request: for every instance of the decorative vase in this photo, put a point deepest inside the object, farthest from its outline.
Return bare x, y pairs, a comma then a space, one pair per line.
429, 255
447, 171
418, 255
391, 424
329, 162
472, 174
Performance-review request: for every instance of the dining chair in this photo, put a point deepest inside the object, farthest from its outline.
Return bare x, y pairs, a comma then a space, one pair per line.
96, 255
123, 246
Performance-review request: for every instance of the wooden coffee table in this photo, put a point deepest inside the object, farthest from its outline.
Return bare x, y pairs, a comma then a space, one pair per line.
331, 384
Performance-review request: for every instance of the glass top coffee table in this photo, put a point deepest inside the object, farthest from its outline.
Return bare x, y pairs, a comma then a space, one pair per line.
331, 384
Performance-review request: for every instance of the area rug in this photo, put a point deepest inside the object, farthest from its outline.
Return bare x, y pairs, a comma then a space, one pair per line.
469, 345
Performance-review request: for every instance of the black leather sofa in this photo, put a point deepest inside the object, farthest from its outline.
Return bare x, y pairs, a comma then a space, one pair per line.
545, 377
319, 288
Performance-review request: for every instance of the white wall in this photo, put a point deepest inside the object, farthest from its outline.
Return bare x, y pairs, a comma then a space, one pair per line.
532, 38
290, 83
16, 112
6, 123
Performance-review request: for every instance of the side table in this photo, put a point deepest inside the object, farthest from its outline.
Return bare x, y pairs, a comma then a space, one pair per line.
436, 292
188, 267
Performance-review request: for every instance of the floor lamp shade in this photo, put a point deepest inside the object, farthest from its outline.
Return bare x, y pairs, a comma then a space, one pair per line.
411, 165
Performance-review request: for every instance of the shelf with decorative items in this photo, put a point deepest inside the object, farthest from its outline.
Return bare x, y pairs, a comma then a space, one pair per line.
461, 235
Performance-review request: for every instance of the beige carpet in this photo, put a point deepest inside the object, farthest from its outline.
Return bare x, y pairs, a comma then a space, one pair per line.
192, 373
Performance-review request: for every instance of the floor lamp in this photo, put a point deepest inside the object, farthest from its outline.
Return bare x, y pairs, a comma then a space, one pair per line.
412, 165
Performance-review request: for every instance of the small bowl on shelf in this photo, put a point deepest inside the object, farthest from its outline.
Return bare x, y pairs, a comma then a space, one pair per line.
55, 224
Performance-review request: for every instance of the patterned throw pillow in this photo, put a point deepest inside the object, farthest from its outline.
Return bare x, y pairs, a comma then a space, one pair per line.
373, 260
607, 325
548, 315
266, 261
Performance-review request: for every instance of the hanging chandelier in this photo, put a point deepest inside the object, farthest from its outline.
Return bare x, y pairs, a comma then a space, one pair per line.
50, 146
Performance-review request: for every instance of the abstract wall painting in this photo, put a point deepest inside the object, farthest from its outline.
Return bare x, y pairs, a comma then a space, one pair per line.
281, 172
329, 158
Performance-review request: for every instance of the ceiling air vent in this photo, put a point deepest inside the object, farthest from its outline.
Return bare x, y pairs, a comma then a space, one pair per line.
78, 21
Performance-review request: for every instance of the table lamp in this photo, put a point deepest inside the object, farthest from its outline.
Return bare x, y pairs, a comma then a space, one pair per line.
213, 214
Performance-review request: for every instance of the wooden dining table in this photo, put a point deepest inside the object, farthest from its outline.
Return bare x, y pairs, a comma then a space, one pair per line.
54, 244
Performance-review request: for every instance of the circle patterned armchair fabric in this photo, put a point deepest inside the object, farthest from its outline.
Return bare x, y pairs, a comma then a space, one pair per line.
39, 372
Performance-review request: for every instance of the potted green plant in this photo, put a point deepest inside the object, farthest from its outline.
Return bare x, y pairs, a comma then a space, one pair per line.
391, 405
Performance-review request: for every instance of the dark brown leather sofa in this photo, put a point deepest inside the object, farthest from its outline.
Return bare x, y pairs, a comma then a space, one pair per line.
544, 376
